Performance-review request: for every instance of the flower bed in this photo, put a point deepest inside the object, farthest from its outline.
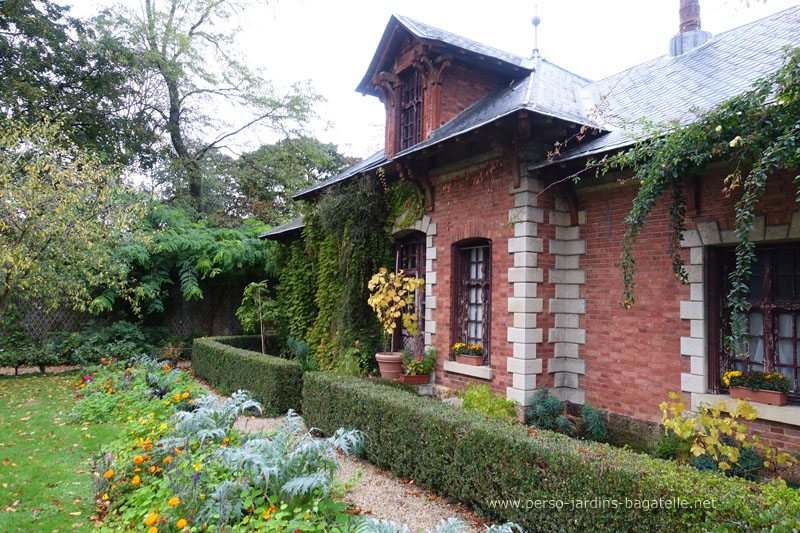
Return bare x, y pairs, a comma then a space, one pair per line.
274, 381
177, 464
543, 481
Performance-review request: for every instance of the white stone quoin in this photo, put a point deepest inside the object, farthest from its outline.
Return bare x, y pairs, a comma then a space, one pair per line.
524, 303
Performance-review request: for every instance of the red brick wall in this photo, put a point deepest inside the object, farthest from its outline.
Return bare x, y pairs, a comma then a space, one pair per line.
633, 356
467, 208
462, 87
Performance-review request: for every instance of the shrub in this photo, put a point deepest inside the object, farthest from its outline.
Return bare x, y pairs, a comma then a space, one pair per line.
547, 412
274, 381
594, 423
478, 460
480, 398
121, 339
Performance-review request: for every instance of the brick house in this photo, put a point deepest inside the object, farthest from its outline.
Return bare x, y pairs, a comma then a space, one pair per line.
530, 267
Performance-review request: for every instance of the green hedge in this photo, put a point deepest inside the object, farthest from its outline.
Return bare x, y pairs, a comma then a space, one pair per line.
272, 380
477, 460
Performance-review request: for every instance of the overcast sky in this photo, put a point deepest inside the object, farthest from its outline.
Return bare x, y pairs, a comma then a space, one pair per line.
331, 42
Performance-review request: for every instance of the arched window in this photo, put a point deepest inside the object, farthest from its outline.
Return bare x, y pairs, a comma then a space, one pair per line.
410, 257
472, 293
410, 124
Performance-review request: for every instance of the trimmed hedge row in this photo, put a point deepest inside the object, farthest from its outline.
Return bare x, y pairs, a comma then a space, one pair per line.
273, 380
561, 484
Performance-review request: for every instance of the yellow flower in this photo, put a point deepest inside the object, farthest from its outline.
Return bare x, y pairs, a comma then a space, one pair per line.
185, 395
162, 427
173, 502
152, 530
308, 513
109, 474
138, 460
135, 480
151, 519
177, 398
105, 496
180, 523
718, 129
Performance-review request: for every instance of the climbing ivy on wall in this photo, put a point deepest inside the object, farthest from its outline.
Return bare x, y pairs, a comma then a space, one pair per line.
756, 133
322, 293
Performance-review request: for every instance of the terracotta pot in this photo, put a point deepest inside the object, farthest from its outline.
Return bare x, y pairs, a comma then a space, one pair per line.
390, 364
770, 397
472, 360
415, 380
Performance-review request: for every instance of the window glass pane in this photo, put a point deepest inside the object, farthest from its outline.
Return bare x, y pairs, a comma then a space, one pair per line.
471, 330
756, 350
756, 292
783, 290
788, 373
479, 335
472, 312
785, 325
757, 368
785, 263
472, 269
479, 316
796, 288
479, 274
739, 365
785, 356
756, 267
757, 324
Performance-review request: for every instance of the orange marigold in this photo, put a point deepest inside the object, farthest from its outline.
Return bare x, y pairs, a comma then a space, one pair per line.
180, 523
173, 502
167, 459
135, 480
109, 474
152, 518
152, 530
138, 460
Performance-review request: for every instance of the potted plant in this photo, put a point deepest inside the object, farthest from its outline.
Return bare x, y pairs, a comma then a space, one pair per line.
392, 298
417, 368
770, 388
469, 355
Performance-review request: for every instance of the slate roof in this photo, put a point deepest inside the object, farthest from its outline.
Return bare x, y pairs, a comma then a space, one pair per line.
430, 33
365, 165
276, 233
668, 88
663, 89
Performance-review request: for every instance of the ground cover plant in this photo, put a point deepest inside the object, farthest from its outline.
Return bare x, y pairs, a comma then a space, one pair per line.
178, 464
45, 479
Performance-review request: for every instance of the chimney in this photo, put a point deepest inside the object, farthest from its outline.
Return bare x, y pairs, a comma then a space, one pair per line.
690, 35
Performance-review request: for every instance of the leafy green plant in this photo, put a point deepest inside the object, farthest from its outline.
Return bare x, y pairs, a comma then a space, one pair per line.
594, 422
709, 430
392, 297
251, 312
670, 446
419, 365
481, 398
300, 353
548, 412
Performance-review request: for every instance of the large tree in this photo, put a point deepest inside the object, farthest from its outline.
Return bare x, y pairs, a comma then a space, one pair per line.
63, 215
190, 79
54, 64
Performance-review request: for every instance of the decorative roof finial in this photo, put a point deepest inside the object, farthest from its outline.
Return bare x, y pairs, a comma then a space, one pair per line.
536, 20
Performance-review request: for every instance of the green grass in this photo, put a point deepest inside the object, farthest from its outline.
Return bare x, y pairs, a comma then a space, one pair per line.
45, 456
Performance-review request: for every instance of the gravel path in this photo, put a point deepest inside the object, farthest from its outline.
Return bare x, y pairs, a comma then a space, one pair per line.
379, 494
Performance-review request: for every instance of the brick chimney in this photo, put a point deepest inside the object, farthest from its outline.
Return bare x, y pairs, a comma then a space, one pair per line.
690, 35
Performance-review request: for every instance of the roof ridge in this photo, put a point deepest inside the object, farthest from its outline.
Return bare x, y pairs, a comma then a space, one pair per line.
523, 60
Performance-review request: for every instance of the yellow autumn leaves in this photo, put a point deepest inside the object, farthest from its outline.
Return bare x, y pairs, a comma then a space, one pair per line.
392, 296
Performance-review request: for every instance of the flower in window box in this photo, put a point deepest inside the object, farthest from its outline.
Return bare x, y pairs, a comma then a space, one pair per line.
770, 388
418, 365
459, 348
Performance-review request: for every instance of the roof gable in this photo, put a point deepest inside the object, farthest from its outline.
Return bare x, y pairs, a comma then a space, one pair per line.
400, 28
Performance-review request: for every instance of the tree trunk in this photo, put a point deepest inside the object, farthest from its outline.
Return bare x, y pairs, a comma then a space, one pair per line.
261, 322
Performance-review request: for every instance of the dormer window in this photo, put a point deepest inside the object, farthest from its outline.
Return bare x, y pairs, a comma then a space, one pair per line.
410, 108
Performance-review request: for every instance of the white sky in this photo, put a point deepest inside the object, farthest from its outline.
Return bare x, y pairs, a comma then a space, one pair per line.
331, 42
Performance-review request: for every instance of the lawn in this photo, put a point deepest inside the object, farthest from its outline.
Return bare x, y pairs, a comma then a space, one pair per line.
45, 456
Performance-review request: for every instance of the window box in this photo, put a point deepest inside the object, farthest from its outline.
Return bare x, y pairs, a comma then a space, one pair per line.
415, 380
472, 360
769, 397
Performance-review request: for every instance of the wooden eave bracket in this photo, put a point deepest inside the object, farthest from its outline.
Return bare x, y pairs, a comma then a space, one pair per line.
567, 189
511, 157
418, 176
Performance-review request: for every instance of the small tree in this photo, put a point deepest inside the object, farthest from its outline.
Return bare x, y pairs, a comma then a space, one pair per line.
254, 306
62, 217
392, 296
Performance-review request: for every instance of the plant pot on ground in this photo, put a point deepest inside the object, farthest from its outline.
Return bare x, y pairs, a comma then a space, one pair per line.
417, 368
762, 387
392, 298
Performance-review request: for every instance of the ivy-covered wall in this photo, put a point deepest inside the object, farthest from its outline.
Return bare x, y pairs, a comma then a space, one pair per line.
322, 277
